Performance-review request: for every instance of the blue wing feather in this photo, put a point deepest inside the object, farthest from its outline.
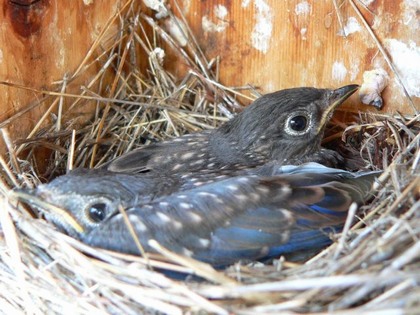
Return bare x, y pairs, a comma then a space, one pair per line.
244, 217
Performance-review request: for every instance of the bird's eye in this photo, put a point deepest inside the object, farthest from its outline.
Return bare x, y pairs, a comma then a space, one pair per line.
97, 212
297, 124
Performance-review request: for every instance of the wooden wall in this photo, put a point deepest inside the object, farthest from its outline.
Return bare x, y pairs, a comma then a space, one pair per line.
42, 42
271, 44
275, 44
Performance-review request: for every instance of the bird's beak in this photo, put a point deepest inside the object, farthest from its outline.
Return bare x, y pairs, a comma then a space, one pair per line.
29, 197
335, 99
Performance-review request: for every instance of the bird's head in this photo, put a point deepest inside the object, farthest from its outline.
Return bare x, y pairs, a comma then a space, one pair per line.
285, 124
80, 200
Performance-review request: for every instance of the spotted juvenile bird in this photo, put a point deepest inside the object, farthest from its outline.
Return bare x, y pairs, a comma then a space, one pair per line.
270, 211
286, 126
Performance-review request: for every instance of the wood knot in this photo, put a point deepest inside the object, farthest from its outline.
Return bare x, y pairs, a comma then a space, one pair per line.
25, 15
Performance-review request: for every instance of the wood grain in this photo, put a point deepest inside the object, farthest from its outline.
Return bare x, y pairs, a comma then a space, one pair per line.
270, 44
40, 43
305, 45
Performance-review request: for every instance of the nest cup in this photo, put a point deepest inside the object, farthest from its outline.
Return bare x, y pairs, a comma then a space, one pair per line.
373, 265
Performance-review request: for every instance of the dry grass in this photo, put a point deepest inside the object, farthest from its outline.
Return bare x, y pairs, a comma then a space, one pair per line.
372, 268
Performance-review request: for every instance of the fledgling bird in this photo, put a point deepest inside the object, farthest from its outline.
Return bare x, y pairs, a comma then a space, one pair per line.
277, 210
286, 126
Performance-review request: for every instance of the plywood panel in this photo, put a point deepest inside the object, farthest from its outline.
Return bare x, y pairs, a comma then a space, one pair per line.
271, 44
41, 42
275, 44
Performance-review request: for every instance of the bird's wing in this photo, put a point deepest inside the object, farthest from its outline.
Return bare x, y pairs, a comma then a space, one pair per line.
316, 206
246, 217
161, 156
139, 160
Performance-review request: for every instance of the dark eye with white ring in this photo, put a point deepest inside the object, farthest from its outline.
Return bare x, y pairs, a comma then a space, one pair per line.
96, 212
298, 123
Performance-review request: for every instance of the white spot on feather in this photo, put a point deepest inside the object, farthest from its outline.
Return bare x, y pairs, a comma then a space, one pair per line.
187, 252
197, 162
163, 217
287, 215
204, 242
206, 194
158, 159
241, 197
185, 205
196, 218
137, 223
187, 155
263, 189
176, 224
177, 167
255, 197
218, 200
286, 189
232, 187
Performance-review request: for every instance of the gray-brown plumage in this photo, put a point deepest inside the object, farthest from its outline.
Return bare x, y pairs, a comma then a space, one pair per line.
286, 126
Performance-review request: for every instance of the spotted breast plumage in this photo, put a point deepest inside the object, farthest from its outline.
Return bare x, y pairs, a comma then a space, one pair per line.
221, 195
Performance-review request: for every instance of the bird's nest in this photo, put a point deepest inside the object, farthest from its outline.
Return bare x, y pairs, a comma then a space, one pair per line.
373, 265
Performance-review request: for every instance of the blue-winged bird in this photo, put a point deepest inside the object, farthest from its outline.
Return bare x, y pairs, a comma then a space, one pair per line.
253, 216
